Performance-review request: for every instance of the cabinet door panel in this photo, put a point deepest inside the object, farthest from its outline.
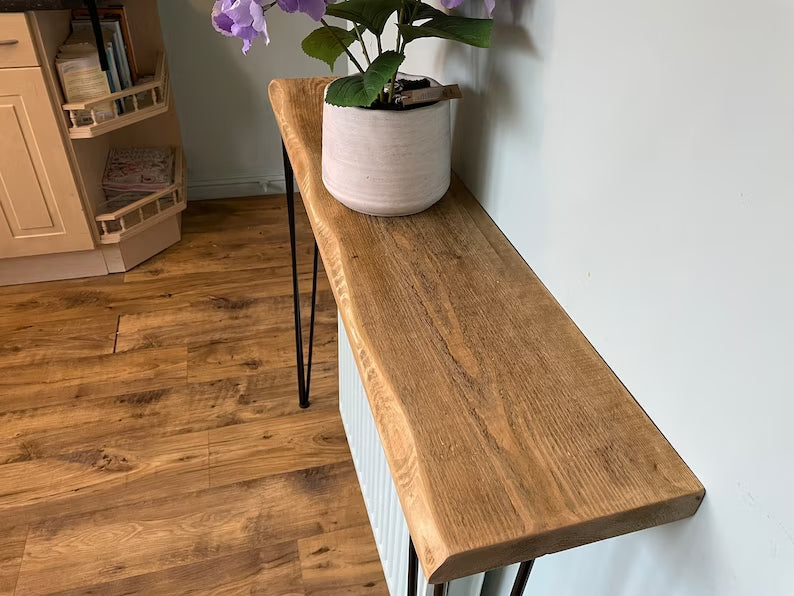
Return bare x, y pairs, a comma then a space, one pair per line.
21, 181
40, 204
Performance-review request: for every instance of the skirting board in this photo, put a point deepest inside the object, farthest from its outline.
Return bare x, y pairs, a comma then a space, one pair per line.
67, 265
199, 189
109, 258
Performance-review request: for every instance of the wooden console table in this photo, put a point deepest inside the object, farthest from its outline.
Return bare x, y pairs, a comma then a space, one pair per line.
507, 435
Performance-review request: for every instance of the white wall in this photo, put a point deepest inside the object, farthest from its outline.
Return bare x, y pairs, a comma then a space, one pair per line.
231, 140
639, 156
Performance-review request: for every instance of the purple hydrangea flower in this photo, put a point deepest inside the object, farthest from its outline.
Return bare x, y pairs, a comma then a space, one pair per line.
314, 8
489, 4
240, 18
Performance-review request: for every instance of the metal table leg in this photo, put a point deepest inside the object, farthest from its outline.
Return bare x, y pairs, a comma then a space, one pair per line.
311, 321
441, 589
413, 568
303, 381
521, 578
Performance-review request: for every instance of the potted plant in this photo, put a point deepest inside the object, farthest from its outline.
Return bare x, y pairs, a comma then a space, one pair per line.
381, 156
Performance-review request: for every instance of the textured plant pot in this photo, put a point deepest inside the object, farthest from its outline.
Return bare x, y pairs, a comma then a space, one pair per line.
386, 162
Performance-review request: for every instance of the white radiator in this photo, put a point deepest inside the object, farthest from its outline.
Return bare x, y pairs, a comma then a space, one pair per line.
380, 496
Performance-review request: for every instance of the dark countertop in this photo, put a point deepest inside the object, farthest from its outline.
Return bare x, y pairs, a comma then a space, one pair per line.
22, 5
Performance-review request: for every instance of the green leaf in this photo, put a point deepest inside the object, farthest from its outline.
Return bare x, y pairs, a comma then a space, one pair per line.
362, 89
423, 12
475, 32
373, 14
326, 43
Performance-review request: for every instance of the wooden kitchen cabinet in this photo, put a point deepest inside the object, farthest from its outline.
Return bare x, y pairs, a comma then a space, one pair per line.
55, 222
41, 208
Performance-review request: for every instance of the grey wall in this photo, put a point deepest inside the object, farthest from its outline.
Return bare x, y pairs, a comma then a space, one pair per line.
231, 139
639, 156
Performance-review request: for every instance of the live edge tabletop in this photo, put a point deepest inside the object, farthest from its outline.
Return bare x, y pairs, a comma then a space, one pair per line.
507, 435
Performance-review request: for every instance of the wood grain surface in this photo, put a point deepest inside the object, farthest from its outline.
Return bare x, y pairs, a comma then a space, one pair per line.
332, 564
150, 435
507, 435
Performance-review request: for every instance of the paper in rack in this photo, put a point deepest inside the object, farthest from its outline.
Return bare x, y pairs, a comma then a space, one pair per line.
145, 169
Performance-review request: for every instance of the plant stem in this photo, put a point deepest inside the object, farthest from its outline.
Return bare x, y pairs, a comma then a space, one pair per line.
401, 46
380, 47
398, 45
361, 41
399, 22
410, 22
344, 47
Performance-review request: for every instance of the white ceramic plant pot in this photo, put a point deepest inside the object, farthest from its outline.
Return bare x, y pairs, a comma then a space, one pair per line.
387, 162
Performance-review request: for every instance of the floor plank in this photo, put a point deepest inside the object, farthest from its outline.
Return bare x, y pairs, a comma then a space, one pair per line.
28, 386
221, 251
231, 358
342, 562
34, 341
233, 214
221, 317
142, 415
56, 301
270, 571
121, 471
171, 457
12, 545
126, 541
276, 445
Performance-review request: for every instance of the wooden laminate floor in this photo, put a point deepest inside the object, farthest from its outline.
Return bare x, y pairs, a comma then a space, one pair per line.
150, 439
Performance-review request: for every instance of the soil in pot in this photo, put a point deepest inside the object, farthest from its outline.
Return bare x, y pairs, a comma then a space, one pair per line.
403, 85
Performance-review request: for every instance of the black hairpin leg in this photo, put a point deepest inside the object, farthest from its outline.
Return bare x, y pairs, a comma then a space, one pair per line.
311, 321
413, 573
303, 381
413, 568
521, 578
441, 589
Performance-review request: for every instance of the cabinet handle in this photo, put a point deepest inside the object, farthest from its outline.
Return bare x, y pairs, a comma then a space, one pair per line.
8, 42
